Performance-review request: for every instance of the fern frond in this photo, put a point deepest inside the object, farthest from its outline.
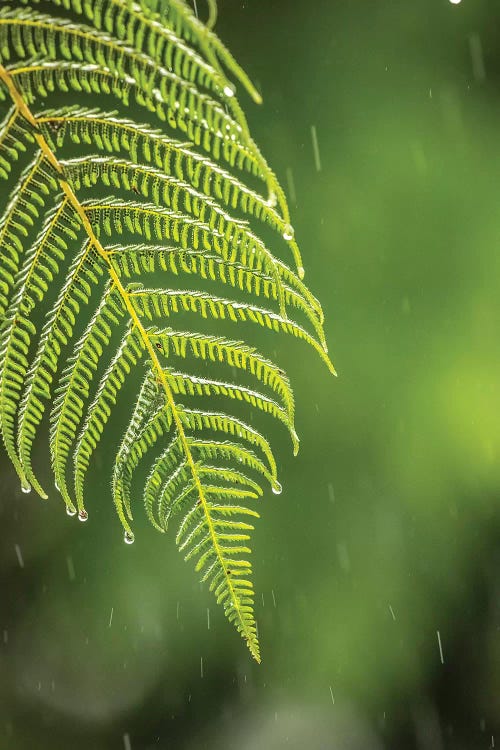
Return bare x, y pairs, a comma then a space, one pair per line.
36, 185
134, 260
158, 303
167, 190
185, 23
15, 138
146, 220
41, 267
128, 354
81, 318
233, 353
73, 391
109, 133
85, 272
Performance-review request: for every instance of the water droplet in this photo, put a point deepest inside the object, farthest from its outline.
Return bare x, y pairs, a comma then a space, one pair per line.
301, 272
128, 537
273, 199
71, 511
277, 488
82, 515
288, 232
26, 488
228, 90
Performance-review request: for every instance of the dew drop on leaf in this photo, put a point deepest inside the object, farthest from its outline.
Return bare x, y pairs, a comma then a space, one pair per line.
83, 515
128, 537
277, 488
288, 232
228, 90
272, 200
71, 511
26, 488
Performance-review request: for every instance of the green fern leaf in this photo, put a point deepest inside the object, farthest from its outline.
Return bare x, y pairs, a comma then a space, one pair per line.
108, 217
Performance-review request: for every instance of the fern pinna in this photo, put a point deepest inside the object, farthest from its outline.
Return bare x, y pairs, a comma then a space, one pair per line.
92, 285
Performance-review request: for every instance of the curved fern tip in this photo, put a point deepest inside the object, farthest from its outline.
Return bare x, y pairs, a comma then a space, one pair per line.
255, 651
187, 197
258, 100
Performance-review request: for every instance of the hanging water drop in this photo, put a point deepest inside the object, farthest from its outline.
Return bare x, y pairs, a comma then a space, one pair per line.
228, 90
288, 232
26, 488
277, 488
128, 537
300, 271
70, 511
83, 515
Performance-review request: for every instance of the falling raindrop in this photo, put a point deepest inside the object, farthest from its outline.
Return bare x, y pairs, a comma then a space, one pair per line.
331, 493
128, 537
441, 655
291, 185
19, 555
288, 232
315, 144
83, 515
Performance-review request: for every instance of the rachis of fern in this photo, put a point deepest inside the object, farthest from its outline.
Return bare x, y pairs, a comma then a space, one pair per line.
136, 190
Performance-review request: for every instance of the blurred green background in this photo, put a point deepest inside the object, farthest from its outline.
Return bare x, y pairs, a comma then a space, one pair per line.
377, 569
